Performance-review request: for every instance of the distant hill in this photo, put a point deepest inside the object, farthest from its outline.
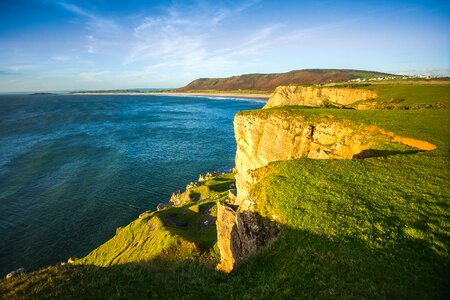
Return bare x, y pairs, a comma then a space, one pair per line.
271, 81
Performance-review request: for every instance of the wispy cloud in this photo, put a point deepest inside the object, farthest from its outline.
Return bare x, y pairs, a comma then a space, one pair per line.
93, 76
7, 73
186, 37
182, 36
64, 57
22, 67
103, 32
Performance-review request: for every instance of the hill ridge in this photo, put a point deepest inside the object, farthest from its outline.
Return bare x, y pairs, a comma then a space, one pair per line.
269, 81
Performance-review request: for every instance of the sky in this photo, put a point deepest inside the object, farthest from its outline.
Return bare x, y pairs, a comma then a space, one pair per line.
55, 45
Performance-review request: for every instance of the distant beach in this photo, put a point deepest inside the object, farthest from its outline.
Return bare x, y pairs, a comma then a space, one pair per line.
200, 94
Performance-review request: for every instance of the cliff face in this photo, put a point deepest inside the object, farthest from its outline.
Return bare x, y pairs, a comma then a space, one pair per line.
240, 232
315, 96
262, 139
265, 137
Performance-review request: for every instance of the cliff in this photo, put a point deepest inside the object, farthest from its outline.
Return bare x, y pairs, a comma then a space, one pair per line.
316, 96
262, 138
349, 228
280, 136
269, 82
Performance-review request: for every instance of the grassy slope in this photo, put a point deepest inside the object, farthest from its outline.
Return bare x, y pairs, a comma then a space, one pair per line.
267, 82
373, 228
178, 232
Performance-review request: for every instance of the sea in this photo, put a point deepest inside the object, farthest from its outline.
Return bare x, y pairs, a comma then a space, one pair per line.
73, 168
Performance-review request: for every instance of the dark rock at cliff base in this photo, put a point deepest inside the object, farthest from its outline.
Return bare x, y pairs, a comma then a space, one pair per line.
240, 233
15, 273
163, 205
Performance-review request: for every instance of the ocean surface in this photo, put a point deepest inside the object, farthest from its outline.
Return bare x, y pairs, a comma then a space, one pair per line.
73, 168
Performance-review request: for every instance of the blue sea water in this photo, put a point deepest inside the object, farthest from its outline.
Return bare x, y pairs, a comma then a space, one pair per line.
73, 168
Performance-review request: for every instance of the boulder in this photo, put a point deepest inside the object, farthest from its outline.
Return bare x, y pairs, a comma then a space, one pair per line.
15, 273
232, 193
180, 198
145, 213
161, 206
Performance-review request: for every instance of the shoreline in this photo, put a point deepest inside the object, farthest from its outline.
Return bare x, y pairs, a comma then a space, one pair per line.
181, 94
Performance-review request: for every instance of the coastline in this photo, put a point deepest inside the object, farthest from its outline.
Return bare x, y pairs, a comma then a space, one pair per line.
216, 95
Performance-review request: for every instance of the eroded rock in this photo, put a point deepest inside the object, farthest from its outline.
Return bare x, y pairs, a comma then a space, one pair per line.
161, 206
240, 233
317, 96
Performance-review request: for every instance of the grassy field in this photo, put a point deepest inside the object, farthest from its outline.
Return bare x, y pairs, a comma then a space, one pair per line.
409, 94
375, 228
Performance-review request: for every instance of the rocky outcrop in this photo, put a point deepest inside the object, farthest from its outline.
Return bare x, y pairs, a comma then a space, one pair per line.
317, 96
15, 273
162, 206
264, 138
240, 232
180, 198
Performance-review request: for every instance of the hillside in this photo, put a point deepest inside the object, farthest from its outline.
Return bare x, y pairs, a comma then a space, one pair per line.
365, 226
268, 82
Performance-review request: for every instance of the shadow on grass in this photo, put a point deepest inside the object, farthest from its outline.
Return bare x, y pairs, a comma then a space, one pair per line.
220, 187
369, 153
197, 227
297, 264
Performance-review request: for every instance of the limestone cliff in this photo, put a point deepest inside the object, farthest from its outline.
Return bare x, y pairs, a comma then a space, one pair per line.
316, 96
265, 137
261, 139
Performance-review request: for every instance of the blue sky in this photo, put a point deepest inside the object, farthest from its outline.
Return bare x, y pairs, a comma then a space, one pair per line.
100, 44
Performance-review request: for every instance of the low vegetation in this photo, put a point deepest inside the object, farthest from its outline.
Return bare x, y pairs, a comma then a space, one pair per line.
268, 82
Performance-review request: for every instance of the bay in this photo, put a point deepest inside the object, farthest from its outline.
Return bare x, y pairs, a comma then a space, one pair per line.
73, 168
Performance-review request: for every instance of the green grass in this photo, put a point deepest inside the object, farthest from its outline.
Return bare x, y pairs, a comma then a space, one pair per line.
377, 228
179, 232
369, 75
145, 239
215, 188
409, 94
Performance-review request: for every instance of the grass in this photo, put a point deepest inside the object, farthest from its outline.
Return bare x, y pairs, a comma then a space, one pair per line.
409, 94
180, 232
369, 75
215, 188
377, 228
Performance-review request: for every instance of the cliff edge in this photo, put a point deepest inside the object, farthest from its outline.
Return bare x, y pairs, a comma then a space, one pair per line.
317, 96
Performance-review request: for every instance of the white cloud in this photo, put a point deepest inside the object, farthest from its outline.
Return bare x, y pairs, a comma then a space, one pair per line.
93, 76
24, 67
186, 37
64, 57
